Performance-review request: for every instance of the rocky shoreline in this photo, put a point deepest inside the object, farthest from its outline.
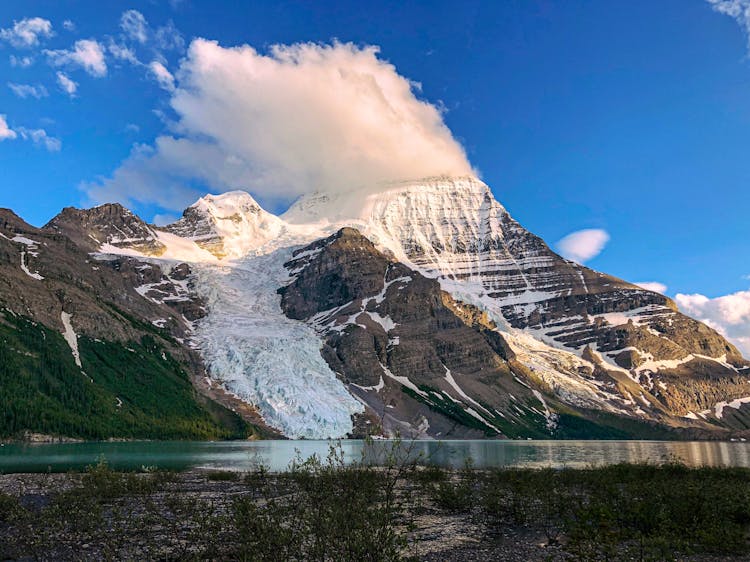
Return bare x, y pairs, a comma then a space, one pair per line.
393, 513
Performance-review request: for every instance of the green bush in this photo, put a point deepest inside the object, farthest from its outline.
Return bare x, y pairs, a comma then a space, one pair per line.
222, 476
325, 510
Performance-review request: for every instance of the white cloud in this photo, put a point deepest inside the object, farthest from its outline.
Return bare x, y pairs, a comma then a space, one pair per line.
168, 38
6, 133
27, 32
162, 75
122, 52
134, 25
739, 10
654, 286
28, 91
583, 245
23, 62
40, 138
300, 118
69, 25
86, 53
164, 219
729, 315
132, 128
66, 84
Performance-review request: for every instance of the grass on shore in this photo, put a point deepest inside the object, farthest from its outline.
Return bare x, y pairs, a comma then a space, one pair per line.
327, 510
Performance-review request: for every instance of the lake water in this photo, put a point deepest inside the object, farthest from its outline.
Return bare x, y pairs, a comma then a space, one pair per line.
245, 455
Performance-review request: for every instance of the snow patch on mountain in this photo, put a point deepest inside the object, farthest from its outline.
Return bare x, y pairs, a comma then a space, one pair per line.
71, 337
736, 404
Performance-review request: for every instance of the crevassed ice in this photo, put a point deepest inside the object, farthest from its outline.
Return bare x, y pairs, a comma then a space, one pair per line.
264, 357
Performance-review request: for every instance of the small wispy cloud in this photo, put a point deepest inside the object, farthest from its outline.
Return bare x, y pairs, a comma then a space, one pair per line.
27, 33
162, 75
6, 133
28, 91
168, 38
69, 25
739, 10
134, 25
122, 52
86, 53
40, 138
136, 28
66, 84
654, 286
583, 245
22, 62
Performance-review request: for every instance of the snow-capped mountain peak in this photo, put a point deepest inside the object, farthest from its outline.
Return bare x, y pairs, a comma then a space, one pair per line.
229, 225
365, 205
226, 204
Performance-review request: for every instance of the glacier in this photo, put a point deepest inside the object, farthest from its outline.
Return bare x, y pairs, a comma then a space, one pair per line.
264, 357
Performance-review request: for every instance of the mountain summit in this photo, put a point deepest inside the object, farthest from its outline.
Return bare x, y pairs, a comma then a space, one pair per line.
419, 308
227, 225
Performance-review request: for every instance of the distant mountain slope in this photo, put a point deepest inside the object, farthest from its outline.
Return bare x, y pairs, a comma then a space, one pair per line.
561, 319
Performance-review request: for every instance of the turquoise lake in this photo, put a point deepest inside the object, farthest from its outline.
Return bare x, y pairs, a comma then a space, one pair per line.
277, 455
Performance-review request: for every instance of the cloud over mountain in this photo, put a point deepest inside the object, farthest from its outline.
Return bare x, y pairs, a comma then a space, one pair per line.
298, 118
583, 245
654, 286
729, 315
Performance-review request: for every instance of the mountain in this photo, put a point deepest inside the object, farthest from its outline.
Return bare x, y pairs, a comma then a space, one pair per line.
85, 351
107, 226
420, 308
226, 225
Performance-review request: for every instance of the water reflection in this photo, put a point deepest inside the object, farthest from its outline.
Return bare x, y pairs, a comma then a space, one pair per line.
278, 454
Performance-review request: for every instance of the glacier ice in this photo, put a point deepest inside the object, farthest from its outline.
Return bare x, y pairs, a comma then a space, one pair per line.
265, 358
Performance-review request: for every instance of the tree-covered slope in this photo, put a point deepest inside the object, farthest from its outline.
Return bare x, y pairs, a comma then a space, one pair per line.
122, 390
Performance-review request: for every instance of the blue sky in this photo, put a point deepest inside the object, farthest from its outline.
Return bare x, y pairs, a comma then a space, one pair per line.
630, 118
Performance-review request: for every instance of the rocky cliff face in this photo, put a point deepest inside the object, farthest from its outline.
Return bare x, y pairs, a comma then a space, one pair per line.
105, 226
400, 343
423, 360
